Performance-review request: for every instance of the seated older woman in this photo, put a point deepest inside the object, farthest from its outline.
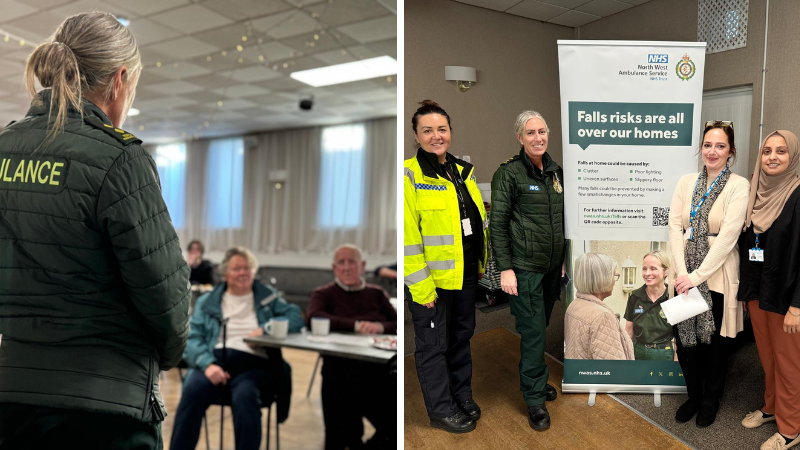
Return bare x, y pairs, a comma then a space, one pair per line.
248, 305
591, 329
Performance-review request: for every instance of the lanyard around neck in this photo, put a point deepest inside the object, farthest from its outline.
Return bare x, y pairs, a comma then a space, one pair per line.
696, 209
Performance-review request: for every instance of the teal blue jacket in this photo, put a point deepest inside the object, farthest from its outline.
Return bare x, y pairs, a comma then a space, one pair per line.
204, 327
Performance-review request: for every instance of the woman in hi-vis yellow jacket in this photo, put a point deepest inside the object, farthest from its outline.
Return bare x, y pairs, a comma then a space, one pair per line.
444, 256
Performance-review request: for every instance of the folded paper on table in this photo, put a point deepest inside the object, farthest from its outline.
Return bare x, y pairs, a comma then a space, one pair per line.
358, 340
681, 307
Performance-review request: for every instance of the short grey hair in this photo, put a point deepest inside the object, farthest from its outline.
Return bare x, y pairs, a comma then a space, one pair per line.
523, 119
244, 253
594, 273
353, 247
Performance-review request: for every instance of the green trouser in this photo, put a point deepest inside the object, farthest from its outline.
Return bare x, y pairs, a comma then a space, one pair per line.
531, 309
640, 352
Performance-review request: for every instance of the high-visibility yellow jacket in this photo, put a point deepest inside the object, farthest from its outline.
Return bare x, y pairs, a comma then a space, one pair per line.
433, 251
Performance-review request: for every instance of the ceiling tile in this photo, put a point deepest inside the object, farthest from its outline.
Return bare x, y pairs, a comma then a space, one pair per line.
45, 4
184, 48
574, 19
604, 8
283, 84
536, 10
286, 107
285, 24
191, 19
387, 47
327, 41
272, 51
42, 23
372, 96
148, 76
372, 30
569, 4
228, 37
358, 86
228, 115
151, 57
212, 81
273, 98
336, 57
205, 97
175, 87
147, 32
69, 9
306, 63
148, 7
233, 104
497, 5
303, 2
349, 109
183, 70
10, 68
240, 90
347, 11
245, 9
218, 62
253, 73
635, 2
163, 102
13, 9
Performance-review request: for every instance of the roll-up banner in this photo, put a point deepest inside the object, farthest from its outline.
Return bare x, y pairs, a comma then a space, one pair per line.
630, 116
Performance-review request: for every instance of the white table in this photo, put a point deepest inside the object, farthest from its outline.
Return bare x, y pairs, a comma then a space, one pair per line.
300, 341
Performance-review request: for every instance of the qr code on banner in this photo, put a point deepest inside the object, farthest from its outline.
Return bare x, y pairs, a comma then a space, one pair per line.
660, 216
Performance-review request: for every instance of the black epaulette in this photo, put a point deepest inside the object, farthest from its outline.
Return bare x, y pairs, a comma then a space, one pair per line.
121, 135
513, 158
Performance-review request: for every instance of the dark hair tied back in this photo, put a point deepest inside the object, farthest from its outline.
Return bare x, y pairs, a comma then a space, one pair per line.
428, 107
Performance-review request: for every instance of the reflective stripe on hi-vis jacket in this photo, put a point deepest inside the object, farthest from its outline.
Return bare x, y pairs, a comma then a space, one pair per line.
432, 248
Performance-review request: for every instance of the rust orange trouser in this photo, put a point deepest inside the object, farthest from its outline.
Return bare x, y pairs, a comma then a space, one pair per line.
780, 357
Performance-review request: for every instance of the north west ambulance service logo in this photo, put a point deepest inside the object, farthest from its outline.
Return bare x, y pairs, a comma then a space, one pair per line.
685, 68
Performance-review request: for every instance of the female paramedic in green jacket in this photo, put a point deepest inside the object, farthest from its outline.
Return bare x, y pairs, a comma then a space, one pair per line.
94, 294
646, 323
444, 256
527, 230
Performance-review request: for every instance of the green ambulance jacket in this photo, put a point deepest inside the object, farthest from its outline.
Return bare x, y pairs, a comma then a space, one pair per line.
94, 291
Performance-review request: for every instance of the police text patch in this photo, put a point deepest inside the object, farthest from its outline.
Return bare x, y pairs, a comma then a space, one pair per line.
33, 173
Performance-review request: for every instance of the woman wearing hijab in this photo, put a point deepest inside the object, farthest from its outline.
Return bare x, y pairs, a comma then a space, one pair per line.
705, 220
769, 249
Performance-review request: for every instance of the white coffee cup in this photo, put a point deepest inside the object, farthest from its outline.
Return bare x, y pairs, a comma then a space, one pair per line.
277, 327
320, 326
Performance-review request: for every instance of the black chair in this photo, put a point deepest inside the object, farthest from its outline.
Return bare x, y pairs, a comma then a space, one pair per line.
280, 396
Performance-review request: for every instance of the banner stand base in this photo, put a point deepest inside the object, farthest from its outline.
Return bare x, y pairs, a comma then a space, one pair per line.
657, 399
592, 396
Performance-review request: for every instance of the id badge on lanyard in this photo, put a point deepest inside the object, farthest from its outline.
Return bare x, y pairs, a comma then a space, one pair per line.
695, 209
757, 254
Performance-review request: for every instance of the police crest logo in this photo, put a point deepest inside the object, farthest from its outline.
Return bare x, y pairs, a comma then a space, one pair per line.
685, 68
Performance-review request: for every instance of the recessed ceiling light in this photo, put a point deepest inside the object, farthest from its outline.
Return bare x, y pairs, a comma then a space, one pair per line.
133, 112
347, 72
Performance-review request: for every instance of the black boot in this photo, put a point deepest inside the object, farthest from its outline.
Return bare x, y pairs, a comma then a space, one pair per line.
686, 411
470, 408
457, 423
538, 417
707, 413
552, 393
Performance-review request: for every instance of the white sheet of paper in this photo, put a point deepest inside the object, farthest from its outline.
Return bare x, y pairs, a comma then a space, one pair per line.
679, 308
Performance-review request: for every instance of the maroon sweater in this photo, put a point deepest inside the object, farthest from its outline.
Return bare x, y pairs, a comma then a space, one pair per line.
344, 308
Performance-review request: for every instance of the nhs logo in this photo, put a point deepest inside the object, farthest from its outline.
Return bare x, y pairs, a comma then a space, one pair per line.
659, 59
533, 187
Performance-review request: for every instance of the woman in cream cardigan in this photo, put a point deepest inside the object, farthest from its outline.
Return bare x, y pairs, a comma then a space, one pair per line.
591, 328
706, 217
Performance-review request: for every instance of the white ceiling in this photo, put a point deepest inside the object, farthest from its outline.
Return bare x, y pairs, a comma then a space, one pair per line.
570, 13
187, 82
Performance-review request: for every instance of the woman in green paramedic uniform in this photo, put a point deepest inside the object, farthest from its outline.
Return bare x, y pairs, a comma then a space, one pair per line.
646, 323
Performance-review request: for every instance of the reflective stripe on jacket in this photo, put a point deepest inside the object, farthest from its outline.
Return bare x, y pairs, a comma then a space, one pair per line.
433, 254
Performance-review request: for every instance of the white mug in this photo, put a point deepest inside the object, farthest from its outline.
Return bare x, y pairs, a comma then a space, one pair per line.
277, 327
320, 326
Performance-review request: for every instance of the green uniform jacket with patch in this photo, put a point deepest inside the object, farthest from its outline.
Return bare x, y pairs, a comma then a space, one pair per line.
526, 223
94, 292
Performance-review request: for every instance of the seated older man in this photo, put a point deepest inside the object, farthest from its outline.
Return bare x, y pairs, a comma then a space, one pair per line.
354, 389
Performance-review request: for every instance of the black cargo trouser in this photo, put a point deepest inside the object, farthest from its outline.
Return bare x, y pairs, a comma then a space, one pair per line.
443, 357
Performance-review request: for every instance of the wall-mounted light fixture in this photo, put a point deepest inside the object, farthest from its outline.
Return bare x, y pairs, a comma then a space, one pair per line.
463, 77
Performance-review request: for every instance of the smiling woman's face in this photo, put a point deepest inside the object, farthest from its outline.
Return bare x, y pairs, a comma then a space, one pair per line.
534, 138
433, 134
775, 156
